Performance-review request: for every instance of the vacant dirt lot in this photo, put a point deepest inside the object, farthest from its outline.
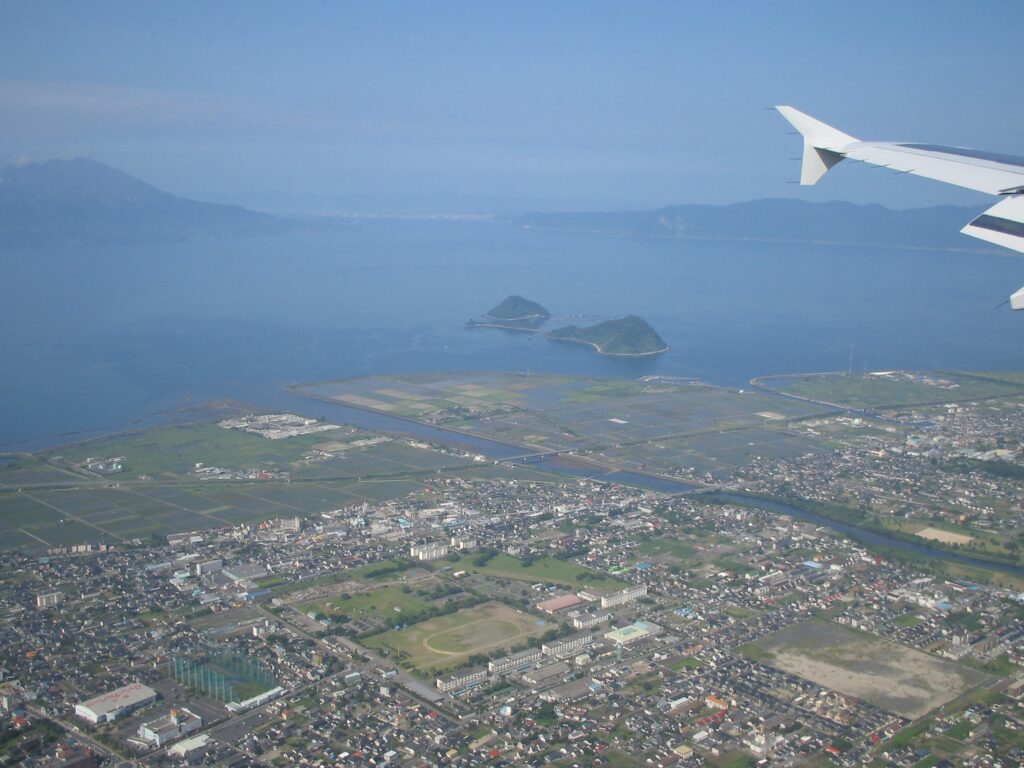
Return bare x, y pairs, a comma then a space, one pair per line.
893, 677
946, 537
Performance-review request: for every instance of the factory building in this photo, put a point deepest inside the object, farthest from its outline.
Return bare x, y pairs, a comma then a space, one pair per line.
108, 707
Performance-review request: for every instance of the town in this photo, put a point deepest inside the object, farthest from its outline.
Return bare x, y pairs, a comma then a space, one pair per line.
486, 615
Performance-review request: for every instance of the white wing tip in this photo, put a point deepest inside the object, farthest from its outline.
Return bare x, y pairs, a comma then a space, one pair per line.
823, 144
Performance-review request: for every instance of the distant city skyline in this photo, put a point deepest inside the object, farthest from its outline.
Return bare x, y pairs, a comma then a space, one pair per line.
645, 105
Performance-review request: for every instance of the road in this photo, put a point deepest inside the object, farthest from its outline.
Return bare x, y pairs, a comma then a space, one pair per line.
413, 686
81, 735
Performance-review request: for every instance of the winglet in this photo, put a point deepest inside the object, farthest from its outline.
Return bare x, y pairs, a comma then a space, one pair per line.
823, 144
1017, 300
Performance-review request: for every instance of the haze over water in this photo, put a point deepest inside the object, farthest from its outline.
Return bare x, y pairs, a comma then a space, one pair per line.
97, 339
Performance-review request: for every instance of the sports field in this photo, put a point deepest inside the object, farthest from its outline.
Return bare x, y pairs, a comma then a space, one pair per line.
447, 641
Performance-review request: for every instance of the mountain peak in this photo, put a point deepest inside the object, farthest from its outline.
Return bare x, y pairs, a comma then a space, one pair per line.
82, 200
77, 180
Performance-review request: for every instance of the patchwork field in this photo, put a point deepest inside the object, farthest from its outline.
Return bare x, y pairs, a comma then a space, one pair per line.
47, 500
898, 679
896, 388
669, 426
448, 641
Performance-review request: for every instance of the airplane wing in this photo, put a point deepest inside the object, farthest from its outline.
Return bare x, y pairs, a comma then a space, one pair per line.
989, 172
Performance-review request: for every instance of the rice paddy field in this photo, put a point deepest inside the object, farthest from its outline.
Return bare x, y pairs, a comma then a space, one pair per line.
663, 426
671, 427
51, 500
893, 389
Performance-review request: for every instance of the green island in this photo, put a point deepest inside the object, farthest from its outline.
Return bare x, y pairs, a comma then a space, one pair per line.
515, 314
518, 308
627, 336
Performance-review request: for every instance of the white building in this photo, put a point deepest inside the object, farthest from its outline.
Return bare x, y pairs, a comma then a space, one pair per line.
514, 661
627, 595
581, 620
110, 706
210, 566
462, 678
568, 646
173, 725
432, 550
49, 599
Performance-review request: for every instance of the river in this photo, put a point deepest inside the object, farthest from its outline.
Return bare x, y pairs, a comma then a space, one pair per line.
499, 451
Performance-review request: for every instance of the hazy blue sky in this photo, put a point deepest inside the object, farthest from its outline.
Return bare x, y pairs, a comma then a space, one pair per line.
638, 102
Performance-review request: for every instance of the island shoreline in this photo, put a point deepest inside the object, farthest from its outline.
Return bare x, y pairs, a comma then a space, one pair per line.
600, 351
546, 335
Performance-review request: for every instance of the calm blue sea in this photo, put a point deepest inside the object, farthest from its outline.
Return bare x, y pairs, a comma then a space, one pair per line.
99, 339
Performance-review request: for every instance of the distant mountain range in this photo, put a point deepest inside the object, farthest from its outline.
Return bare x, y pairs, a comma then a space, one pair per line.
781, 220
83, 201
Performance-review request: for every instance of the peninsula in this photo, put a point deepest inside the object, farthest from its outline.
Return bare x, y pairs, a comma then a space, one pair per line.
627, 337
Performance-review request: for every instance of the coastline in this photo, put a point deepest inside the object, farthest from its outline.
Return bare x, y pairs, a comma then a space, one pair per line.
547, 335
476, 324
523, 318
600, 351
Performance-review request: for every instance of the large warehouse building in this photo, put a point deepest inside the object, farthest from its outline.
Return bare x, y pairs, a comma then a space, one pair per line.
110, 706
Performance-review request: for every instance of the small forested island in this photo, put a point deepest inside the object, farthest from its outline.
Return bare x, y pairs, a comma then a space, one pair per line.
518, 308
627, 336
514, 313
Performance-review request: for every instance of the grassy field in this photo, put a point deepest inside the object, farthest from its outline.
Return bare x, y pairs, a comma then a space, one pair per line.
448, 641
385, 603
174, 451
862, 391
546, 569
680, 550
